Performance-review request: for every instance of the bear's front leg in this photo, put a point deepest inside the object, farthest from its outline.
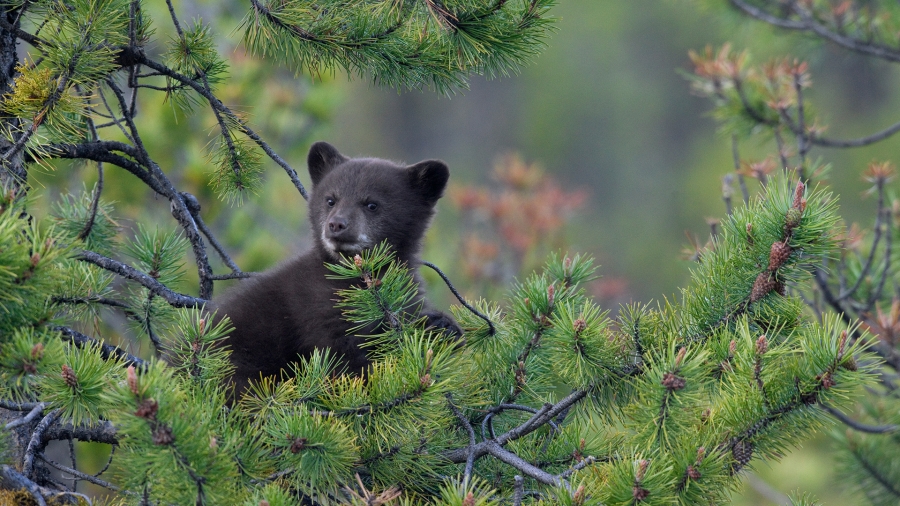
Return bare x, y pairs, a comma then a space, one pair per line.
442, 322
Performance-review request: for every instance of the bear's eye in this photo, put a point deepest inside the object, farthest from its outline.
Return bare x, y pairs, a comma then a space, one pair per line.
330, 202
372, 206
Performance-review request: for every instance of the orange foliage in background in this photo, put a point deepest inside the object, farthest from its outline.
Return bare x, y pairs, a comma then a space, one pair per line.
513, 225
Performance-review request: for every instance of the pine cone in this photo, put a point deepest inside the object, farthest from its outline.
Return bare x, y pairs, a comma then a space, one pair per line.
762, 286
162, 435
639, 493
673, 382
693, 473
147, 409
792, 219
131, 375
778, 255
298, 444
69, 377
742, 451
37, 351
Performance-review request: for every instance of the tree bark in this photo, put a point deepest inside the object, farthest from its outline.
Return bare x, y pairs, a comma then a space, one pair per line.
12, 172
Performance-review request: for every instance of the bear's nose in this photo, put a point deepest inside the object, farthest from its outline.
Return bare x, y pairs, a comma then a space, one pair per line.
337, 224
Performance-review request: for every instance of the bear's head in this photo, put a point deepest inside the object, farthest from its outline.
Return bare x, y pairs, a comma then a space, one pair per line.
356, 203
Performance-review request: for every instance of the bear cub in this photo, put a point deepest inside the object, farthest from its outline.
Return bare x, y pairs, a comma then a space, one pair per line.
355, 204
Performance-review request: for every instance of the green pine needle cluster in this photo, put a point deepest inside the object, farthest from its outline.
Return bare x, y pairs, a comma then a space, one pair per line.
402, 43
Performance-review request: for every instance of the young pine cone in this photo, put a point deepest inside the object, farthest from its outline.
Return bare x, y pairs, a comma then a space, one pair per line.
778, 255
762, 286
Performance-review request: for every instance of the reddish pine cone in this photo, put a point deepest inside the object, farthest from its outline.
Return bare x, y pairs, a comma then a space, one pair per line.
778, 255
639, 493
69, 377
693, 473
762, 286
798, 195
162, 435
147, 409
673, 382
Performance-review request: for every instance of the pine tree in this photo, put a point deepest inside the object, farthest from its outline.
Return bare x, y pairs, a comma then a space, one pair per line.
772, 101
548, 401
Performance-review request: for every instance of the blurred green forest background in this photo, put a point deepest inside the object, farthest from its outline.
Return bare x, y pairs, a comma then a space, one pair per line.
606, 111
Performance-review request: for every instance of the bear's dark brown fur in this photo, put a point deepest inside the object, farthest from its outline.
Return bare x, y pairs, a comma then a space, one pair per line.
355, 203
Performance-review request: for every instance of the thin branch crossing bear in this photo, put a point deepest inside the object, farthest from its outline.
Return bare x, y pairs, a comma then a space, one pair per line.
355, 204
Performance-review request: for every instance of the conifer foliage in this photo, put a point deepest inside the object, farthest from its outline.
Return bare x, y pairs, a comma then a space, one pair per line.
546, 401
775, 101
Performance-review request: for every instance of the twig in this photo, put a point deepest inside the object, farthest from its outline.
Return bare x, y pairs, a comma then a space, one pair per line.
859, 142
737, 169
179, 208
853, 424
578, 467
173, 298
115, 120
519, 488
766, 490
782, 155
543, 415
37, 443
886, 272
216, 103
503, 455
193, 206
16, 406
878, 229
95, 200
802, 135
470, 459
460, 298
112, 452
84, 476
34, 413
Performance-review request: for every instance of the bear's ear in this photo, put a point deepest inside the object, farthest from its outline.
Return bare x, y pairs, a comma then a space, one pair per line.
321, 159
429, 178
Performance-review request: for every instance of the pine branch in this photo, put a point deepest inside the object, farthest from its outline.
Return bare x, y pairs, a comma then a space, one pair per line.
179, 208
25, 420
98, 151
542, 416
807, 23
218, 105
99, 432
107, 351
855, 425
37, 443
145, 280
84, 476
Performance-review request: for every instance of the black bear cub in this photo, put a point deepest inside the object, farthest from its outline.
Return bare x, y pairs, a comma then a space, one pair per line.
355, 203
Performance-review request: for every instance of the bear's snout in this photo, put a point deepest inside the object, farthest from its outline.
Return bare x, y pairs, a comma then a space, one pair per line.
336, 225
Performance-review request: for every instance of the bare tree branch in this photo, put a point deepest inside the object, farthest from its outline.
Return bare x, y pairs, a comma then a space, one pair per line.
107, 351
37, 442
853, 424
155, 287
